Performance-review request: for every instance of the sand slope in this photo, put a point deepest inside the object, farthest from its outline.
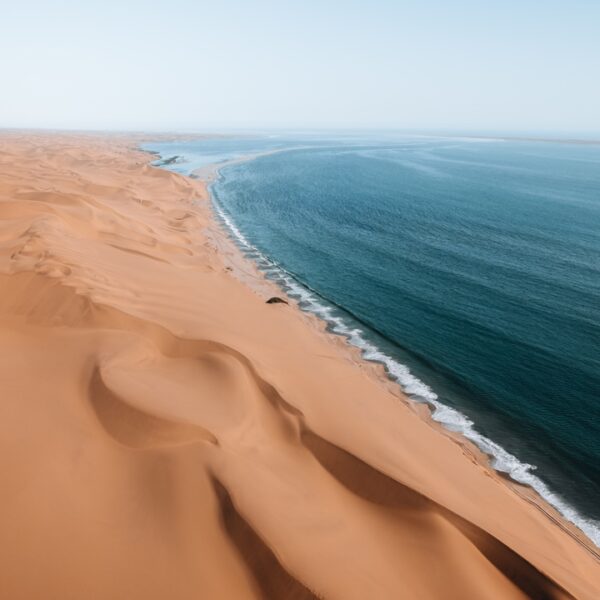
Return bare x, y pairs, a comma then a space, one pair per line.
164, 433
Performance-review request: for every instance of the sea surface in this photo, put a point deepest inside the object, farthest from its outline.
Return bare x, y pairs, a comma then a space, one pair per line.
469, 267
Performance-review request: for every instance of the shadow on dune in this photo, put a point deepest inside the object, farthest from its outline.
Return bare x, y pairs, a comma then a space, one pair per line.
372, 485
272, 580
137, 428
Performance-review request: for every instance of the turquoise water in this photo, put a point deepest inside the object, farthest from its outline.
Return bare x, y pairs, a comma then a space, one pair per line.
470, 269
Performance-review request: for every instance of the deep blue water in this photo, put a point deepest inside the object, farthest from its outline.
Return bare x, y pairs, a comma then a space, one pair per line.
471, 269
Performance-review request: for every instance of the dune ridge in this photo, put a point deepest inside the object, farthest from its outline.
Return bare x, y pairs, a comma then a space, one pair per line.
166, 433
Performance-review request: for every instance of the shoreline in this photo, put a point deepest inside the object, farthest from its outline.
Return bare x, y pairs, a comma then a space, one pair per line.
423, 406
167, 433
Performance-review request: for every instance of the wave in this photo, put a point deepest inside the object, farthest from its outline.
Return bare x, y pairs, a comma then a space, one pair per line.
418, 391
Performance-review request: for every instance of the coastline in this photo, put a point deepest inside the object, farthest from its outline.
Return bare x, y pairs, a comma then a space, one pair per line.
485, 450
291, 448
251, 273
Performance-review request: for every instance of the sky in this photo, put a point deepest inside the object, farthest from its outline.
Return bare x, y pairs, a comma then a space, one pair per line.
179, 65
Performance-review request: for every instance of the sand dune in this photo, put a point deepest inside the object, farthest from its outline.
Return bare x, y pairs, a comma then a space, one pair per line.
164, 433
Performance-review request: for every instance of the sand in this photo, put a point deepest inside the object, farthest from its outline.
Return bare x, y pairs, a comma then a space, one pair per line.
165, 433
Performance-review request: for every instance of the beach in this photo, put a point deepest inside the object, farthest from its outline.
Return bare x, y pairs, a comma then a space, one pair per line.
166, 432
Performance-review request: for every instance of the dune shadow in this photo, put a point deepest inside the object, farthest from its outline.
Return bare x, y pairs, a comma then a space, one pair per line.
271, 578
374, 486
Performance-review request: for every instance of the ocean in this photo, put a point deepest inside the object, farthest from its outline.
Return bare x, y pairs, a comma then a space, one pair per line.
469, 267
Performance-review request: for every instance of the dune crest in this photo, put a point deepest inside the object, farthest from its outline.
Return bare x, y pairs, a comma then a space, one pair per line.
168, 434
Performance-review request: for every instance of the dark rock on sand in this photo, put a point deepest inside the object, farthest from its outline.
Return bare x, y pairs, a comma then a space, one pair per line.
276, 300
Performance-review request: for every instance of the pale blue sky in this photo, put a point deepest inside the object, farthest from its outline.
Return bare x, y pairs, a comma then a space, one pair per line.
530, 65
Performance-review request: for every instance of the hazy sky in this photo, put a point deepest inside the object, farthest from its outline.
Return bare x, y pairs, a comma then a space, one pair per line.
185, 64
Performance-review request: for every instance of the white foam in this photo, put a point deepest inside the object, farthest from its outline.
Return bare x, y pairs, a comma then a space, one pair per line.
417, 390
